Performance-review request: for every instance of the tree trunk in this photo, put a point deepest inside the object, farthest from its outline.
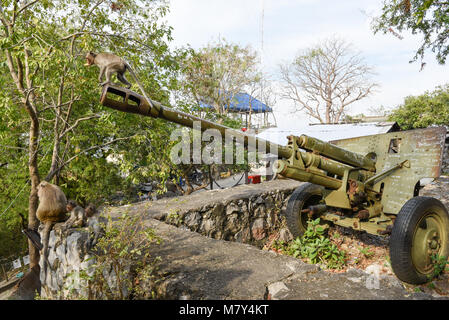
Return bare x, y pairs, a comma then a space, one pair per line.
28, 102
33, 222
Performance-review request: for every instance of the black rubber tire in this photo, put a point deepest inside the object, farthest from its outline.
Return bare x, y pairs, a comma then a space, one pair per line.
305, 195
401, 239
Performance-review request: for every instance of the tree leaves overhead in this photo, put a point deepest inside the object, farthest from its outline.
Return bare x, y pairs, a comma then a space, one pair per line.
428, 18
42, 48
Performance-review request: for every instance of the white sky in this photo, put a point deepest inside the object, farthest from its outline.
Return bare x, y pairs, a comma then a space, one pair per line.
293, 25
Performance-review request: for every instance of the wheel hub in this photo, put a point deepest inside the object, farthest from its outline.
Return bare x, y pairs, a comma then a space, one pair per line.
426, 243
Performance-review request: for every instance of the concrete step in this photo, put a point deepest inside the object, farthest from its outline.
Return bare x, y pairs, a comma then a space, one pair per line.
198, 267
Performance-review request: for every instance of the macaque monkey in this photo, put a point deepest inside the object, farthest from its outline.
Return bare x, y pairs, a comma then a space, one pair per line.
52, 208
27, 286
115, 6
109, 64
77, 215
91, 210
94, 224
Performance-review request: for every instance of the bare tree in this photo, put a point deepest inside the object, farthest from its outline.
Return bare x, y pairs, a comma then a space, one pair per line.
324, 80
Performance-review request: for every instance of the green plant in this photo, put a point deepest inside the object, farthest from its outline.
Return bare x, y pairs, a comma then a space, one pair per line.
366, 252
278, 245
336, 235
122, 260
315, 247
387, 262
174, 217
439, 265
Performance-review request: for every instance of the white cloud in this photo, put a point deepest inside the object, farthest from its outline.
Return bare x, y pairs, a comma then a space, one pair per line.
293, 25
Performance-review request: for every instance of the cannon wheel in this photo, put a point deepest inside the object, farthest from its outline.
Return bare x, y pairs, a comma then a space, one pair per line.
305, 195
421, 230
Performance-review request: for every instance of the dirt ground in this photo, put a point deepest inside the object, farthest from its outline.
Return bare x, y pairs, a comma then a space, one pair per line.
366, 251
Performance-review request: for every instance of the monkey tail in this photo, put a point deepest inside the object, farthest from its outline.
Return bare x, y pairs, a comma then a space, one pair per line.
131, 71
46, 235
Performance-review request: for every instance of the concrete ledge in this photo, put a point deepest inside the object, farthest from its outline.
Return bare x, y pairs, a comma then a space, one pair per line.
8, 285
161, 208
247, 213
198, 267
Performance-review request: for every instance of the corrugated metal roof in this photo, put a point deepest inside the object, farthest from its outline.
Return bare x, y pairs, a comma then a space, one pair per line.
328, 132
241, 103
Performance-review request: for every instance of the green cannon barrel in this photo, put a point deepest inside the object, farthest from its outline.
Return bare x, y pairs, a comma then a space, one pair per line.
128, 101
328, 165
283, 168
333, 152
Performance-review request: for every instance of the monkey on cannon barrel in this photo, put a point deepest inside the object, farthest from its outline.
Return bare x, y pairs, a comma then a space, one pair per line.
52, 208
109, 64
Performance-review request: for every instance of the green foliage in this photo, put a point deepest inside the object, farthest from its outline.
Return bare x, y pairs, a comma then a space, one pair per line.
366, 252
123, 263
428, 18
215, 74
439, 265
76, 134
430, 108
315, 247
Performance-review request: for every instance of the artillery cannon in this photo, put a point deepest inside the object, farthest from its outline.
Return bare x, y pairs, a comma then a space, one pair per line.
368, 183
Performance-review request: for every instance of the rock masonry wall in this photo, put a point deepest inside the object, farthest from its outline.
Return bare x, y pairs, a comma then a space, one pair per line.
250, 219
247, 220
68, 257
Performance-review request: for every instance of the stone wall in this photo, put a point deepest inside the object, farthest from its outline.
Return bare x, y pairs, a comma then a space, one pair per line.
250, 219
68, 257
246, 214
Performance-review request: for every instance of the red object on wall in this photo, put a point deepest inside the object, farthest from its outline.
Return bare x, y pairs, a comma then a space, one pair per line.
254, 179
244, 129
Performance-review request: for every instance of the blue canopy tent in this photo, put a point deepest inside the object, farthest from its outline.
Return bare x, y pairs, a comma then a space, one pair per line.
243, 103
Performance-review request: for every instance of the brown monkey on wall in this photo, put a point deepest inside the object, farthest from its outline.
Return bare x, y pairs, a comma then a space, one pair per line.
94, 222
91, 210
52, 208
77, 215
